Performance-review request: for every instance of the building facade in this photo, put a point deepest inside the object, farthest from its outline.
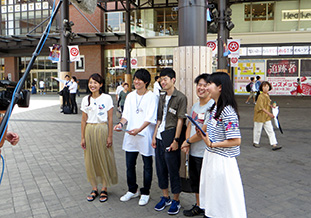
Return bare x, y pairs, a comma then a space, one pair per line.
275, 41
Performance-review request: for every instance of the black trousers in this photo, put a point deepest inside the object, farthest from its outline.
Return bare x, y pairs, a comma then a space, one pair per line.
73, 103
131, 158
66, 100
168, 164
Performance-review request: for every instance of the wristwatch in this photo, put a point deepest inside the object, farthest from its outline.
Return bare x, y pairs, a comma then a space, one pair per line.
176, 139
188, 141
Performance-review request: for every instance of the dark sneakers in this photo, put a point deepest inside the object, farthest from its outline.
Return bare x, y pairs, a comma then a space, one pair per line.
194, 211
163, 203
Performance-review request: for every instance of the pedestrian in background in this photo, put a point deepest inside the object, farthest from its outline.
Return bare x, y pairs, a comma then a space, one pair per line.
140, 115
221, 190
73, 91
252, 91
156, 86
122, 96
257, 87
195, 146
299, 88
96, 139
166, 138
263, 116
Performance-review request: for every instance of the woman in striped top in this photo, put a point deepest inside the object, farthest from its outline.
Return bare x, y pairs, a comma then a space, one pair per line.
221, 190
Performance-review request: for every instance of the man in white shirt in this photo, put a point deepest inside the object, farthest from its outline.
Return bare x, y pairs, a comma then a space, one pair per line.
73, 91
156, 86
140, 110
119, 89
67, 84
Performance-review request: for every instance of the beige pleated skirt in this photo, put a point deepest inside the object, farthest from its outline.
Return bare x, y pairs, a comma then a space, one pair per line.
99, 160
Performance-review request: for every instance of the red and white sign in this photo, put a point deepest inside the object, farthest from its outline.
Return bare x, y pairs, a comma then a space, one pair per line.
213, 46
133, 62
74, 53
234, 47
234, 61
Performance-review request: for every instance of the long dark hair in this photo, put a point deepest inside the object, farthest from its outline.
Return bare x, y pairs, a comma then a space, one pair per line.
98, 78
226, 96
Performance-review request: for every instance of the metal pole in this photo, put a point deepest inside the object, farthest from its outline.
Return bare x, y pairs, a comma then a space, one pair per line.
223, 34
63, 39
128, 48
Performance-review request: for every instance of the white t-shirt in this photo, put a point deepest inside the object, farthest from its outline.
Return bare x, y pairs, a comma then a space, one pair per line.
156, 88
73, 88
147, 111
97, 111
41, 84
161, 127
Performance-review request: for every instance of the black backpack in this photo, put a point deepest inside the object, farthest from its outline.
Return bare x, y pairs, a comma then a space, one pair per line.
248, 87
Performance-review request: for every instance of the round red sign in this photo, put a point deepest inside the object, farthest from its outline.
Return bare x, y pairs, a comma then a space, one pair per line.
211, 45
74, 51
233, 46
234, 60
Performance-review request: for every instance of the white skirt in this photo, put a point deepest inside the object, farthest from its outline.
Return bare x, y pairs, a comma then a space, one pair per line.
221, 190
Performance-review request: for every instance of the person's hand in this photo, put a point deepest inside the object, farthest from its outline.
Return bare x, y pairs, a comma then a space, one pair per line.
133, 132
173, 146
83, 145
154, 142
185, 147
117, 127
204, 138
109, 141
271, 115
12, 137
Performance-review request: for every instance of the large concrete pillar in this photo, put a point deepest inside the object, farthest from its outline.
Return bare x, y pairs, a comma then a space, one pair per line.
192, 24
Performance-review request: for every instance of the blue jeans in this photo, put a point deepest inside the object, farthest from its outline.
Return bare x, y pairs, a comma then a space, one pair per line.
168, 164
131, 158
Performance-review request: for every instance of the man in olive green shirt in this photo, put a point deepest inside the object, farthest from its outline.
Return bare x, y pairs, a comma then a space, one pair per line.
170, 120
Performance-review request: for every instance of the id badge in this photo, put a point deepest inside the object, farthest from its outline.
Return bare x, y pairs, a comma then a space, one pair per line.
201, 116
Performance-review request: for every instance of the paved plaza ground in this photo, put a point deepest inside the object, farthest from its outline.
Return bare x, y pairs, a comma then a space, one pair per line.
45, 175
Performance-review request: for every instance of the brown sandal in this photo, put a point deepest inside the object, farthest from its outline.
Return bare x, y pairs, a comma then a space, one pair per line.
103, 197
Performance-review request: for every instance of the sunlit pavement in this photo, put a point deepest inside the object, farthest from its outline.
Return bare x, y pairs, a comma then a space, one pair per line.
45, 175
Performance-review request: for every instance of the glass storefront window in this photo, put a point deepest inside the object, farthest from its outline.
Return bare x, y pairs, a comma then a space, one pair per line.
260, 11
148, 22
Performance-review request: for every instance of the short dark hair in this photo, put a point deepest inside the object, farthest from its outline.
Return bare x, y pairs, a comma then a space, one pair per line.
74, 78
265, 83
67, 76
125, 84
257, 77
156, 78
252, 78
143, 75
203, 76
168, 72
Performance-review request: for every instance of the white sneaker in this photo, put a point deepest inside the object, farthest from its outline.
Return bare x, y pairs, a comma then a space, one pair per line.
129, 195
144, 199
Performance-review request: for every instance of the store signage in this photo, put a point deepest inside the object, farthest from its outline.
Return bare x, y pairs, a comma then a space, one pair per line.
285, 50
23, 7
282, 85
294, 15
270, 51
301, 50
254, 51
282, 68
